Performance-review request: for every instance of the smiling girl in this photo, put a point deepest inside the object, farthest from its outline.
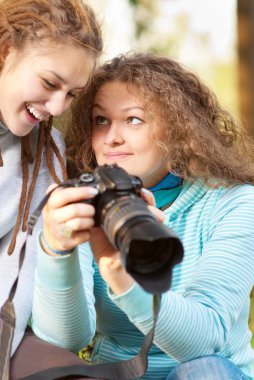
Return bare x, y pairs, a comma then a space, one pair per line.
48, 50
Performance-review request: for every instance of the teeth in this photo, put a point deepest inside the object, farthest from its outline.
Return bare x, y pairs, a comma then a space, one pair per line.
31, 109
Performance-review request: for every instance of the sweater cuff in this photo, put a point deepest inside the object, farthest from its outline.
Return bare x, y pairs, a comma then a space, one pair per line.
135, 303
57, 272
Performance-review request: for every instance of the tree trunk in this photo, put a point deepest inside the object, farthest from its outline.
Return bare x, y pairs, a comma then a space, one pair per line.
245, 19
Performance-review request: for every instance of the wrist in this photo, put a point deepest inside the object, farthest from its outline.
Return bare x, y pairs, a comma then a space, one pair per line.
118, 279
120, 286
51, 251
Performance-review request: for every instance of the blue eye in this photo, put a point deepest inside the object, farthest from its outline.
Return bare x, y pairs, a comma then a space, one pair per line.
134, 120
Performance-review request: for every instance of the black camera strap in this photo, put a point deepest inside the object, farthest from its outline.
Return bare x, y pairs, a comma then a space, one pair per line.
7, 324
125, 370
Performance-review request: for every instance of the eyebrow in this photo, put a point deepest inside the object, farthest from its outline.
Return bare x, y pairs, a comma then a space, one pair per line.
62, 80
124, 109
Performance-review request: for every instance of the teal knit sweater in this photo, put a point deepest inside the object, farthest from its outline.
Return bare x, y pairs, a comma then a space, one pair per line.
204, 313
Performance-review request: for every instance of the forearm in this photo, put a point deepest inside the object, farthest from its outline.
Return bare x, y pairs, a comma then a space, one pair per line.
191, 330
63, 313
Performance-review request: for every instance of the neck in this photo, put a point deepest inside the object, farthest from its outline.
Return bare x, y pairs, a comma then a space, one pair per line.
3, 128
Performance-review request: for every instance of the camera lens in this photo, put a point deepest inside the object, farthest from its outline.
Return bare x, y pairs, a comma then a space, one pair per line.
149, 250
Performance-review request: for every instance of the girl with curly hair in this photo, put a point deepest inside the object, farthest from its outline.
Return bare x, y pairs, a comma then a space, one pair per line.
158, 121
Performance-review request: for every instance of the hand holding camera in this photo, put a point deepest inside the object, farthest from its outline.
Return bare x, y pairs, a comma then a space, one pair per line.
67, 219
110, 199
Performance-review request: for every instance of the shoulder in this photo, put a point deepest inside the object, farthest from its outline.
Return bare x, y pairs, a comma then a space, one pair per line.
231, 196
235, 204
236, 196
213, 204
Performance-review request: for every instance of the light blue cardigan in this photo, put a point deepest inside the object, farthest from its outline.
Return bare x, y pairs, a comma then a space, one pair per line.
205, 312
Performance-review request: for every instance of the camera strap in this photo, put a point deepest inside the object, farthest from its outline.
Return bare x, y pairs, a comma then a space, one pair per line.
124, 370
7, 325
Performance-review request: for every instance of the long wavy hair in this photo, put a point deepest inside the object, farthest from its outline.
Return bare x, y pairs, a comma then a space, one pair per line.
34, 24
199, 138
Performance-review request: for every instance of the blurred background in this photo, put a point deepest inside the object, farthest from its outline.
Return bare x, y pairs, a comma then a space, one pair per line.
213, 38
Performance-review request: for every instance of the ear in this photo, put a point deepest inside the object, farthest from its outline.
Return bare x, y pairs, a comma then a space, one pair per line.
4, 51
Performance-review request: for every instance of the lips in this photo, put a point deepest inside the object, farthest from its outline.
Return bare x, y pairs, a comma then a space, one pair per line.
34, 113
117, 155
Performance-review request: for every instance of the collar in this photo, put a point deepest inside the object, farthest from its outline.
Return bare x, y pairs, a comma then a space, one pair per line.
168, 182
167, 190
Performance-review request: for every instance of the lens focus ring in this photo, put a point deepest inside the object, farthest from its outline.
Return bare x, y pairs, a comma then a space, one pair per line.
120, 213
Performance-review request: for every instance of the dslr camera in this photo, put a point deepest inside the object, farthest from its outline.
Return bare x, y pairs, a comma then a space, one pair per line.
148, 249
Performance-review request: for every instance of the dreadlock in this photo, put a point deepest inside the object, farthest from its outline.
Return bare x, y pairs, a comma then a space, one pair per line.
44, 139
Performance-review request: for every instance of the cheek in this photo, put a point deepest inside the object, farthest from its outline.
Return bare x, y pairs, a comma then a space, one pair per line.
31, 93
96, 142
153, 156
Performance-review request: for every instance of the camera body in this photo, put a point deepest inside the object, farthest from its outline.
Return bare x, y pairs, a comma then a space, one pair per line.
114, 185
148, 249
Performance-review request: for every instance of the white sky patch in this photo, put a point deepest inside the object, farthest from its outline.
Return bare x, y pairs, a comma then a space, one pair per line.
214, 19
217, 18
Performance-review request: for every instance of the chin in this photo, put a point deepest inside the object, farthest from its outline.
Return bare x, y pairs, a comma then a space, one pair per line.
20, 133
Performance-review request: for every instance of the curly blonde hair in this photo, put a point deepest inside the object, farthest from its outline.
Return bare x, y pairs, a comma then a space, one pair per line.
200, 138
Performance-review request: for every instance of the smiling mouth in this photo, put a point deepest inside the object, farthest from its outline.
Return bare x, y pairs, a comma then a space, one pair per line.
34, 113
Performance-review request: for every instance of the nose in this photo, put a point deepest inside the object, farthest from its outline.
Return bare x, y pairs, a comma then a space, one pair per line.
58, 103
114, 135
